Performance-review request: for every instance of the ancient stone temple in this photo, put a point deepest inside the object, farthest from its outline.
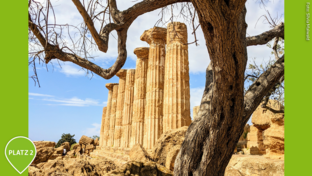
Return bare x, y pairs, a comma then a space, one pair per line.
176, 105
151, 99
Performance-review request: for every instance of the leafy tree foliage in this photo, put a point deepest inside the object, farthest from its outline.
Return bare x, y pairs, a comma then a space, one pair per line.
66, 138
95, 136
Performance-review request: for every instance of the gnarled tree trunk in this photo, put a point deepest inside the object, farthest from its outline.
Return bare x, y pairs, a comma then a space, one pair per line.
211, 139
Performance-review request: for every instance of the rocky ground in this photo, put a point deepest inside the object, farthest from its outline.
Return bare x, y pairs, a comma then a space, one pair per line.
254, 165
157, 162
240, 165
72, 166
87, 166
46, 151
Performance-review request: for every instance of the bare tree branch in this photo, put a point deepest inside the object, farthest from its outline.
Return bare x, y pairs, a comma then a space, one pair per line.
264, 38
53, 52
102, 44
250, 76
147, 6
122, 19
261, 86
113, 8
273, 110
63, 56
36, 31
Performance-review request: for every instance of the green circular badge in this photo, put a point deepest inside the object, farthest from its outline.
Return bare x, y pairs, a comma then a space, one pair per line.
20, 152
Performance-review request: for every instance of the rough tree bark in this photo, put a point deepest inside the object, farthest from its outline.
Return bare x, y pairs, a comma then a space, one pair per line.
192, 152
210, 139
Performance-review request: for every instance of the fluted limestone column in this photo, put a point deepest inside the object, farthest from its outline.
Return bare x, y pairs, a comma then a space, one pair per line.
120, 104
102, 127
128, 110
139, 96
156, 38
113, 115
177, 86
109, 86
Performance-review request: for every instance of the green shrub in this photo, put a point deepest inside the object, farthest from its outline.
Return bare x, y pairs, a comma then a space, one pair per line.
94, 137
66, 138
245, 135
71, 147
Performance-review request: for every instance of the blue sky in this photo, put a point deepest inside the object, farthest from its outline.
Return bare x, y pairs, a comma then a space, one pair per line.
69, 101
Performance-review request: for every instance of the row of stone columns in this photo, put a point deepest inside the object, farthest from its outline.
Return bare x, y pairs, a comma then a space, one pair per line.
155, 97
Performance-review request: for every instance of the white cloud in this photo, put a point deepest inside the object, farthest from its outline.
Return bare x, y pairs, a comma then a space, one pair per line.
39, 95
74, 102
95, 130
70, 70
